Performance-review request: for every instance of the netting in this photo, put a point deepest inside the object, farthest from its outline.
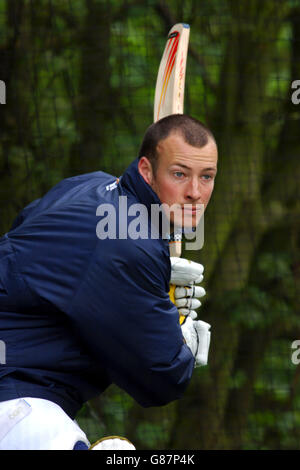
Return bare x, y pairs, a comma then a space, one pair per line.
79, 81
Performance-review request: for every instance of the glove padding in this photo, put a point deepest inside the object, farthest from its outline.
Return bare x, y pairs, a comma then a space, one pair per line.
185, 272
186, 300
113, 443
197, 337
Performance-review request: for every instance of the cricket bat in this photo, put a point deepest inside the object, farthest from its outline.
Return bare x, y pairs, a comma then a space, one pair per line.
169, 90
169, 96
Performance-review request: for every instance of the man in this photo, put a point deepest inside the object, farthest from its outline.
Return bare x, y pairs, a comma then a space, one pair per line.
81, 308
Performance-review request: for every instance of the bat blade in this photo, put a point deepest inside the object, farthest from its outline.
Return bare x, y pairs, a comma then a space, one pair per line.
169, 99
169, 90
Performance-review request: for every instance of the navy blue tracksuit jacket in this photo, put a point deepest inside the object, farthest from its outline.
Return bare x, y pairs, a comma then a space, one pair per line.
78, 313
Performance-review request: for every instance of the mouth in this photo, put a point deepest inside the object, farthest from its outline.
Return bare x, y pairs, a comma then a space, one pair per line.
193, 210
188, 215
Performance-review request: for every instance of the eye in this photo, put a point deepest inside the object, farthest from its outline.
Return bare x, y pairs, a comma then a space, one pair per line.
178, 174
207, 177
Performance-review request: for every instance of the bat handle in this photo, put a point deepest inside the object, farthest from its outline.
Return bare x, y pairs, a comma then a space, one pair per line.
172, 298
175, 246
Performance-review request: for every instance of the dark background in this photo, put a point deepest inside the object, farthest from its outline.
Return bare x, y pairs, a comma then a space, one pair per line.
80, 78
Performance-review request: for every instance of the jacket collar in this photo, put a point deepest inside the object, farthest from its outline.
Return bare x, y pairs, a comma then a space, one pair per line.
133, 182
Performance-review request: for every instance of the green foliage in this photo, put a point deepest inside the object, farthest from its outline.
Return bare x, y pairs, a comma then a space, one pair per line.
151, 433
273, 422
270, 302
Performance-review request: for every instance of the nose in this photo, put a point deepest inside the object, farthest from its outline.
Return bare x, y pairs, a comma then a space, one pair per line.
193, 192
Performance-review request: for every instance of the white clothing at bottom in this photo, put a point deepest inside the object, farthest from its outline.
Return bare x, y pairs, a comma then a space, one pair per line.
37, 424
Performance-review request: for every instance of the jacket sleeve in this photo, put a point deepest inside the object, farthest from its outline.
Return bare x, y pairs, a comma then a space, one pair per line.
115, 294
123, 312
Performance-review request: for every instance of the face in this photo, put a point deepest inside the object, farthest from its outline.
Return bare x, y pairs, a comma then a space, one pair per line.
184, 177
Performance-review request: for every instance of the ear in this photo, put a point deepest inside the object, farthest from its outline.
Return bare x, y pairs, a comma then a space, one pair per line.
145, 170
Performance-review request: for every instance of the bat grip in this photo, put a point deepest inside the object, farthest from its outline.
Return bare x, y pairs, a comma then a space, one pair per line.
172, 298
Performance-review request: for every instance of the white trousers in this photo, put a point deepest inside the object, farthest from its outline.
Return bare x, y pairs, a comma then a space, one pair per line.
37, 424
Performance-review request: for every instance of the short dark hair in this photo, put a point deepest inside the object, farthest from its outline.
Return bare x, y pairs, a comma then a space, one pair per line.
193, 131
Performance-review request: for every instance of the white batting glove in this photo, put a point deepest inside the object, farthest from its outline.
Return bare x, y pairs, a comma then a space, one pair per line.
183, 292
185, 272
197, 337
186, 300
113, 443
